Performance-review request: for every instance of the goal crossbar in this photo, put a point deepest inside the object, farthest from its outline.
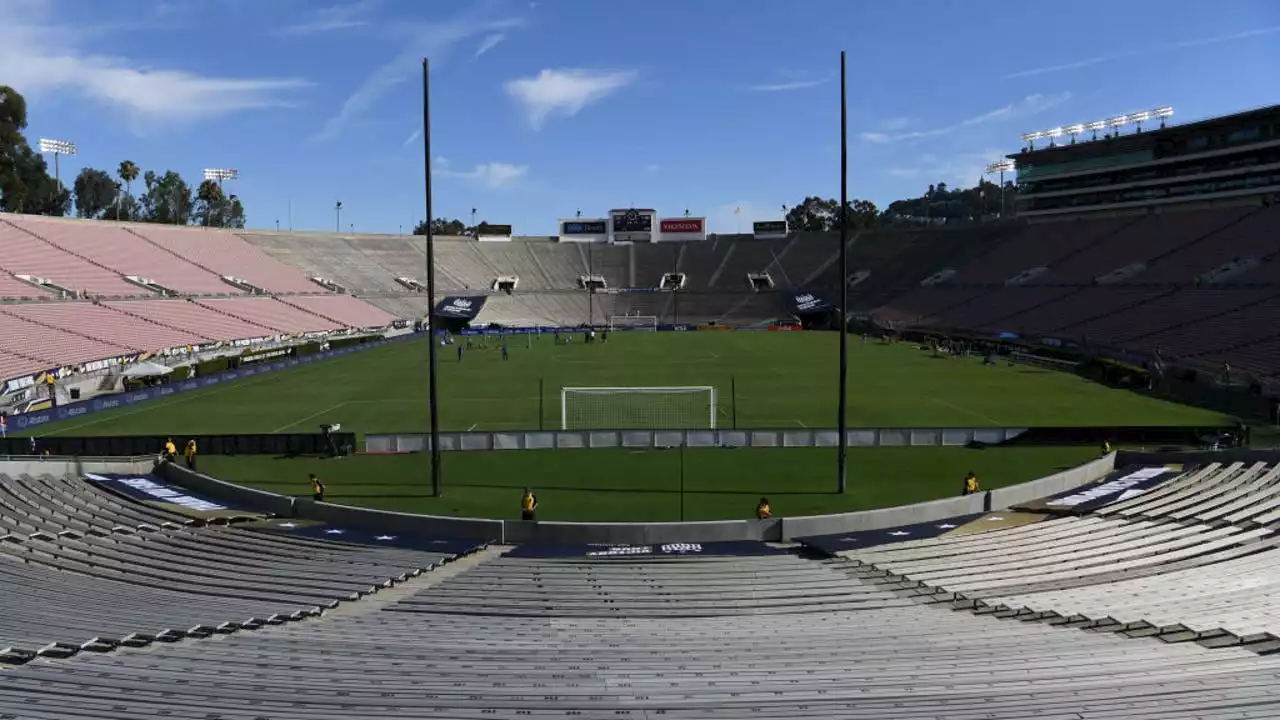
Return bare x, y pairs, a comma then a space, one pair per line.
627, 413
633, 322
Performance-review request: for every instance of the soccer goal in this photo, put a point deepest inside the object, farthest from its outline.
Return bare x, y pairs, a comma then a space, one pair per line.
687, 407
633, 322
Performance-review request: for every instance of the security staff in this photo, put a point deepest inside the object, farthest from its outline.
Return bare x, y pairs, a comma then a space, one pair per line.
1106, 447
970, 484
190, 452
170, 450
528, 505
763, 511
317, 488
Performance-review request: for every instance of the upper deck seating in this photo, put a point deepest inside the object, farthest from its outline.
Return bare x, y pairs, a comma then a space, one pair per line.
345, 309
105, 325
115, 247
193, 317
271, 313
227, 254
24, 253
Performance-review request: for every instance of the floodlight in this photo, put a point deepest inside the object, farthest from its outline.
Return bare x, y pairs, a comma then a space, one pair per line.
1139, 117
1001, 166
1097, 125
57, 147
1032, 136
1118, 121
1053, 132
221, 174
1163, 112
1074, 129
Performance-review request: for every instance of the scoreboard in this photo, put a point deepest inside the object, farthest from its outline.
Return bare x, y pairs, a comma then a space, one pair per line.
632, 224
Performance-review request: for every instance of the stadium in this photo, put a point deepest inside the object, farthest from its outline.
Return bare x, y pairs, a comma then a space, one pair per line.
1101, 360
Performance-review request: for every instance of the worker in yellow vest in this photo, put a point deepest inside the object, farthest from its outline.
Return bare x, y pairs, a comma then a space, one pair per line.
528, 505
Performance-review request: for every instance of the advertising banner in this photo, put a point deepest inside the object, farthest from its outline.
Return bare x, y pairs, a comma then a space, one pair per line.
769, 229
465, 308
806, 303
488, 232
686, 228
584, 227
740, 548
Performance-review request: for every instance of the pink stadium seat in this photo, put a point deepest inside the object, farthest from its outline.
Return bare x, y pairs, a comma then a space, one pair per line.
271, 313
343, 308
15, 366
11, 288
106, 325
197, 319
53, 346
226, 253
22, 253
127, 253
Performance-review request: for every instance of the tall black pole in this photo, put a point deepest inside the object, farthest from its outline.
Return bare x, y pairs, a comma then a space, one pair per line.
432, 400
842, 456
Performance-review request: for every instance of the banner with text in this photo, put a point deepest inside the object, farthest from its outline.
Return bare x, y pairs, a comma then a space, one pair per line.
769, 229
493, 232
465, 308
807, 303
687, 228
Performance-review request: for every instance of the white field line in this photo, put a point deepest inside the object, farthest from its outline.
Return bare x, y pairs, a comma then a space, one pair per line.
966, 410
151, 405
299, 421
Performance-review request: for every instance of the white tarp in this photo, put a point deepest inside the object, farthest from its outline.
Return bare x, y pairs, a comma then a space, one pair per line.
146, 369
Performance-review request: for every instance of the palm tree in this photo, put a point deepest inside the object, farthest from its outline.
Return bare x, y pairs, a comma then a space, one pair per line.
128, 172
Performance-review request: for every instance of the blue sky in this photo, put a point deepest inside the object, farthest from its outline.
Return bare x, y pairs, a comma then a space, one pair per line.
543, 108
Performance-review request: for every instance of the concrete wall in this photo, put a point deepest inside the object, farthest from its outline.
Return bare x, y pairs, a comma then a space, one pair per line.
516, 531
60, 466
1053, 484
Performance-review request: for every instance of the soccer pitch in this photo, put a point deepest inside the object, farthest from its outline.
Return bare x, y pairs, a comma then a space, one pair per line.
763, 379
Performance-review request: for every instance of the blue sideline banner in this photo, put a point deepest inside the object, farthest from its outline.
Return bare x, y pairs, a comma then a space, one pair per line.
1122, 485
364, 536
735, 548
88, 407
152, 490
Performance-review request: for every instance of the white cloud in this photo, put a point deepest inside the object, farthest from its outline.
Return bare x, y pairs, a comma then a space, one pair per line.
1027, 106
488, 43
1167, 47
564, 92
491, 175
787, 86
962, 169
334, 17
434, 40
412, 137
38, 56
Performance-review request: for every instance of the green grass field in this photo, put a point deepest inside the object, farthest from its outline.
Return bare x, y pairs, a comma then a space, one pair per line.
775, 380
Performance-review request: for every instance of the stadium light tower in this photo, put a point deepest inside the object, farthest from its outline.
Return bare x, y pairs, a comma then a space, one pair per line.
433, 397
220, 174
1000, 166
58, 148
842, 422
337, 218
1073, 131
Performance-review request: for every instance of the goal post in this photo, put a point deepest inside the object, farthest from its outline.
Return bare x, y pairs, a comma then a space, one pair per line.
682, 407
633, 322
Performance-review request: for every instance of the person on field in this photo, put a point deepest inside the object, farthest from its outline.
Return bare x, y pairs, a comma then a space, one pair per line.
970, 484
317, 488
763, 511
528, 505
504, 351
170, 450
459, 353
190, 452
1106, 447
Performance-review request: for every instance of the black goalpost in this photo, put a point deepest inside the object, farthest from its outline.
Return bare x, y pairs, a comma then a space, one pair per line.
432, 398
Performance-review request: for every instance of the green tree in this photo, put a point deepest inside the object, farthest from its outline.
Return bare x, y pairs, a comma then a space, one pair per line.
815, 214
126, 207
210, 205
25, 183
167, 199
96, 193
234, 216
441, 226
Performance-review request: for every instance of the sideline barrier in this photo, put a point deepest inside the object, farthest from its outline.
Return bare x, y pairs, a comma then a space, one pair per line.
583, 439
571, 533
288, 444
30, 420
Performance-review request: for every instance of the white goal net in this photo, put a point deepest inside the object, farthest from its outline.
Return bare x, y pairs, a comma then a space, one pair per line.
633, 322
687, 407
